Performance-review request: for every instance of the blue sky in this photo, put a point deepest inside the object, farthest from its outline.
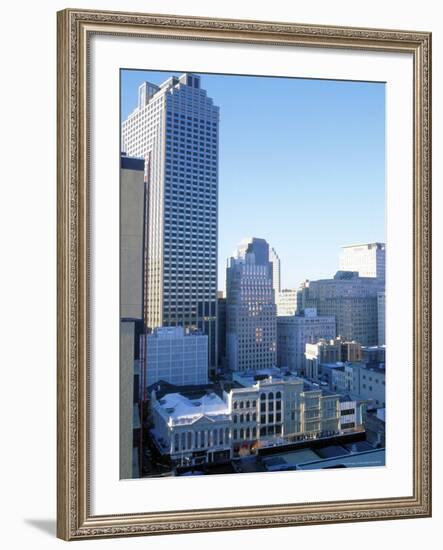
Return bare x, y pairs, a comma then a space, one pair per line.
302, 164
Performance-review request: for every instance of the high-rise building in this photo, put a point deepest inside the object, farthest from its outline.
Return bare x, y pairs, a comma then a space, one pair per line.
132, 250
286, 302
132, 227
221, 328
276, 275
175, 129
367, 259
250, 308
293, 333
176, 357
351, 299
381, 312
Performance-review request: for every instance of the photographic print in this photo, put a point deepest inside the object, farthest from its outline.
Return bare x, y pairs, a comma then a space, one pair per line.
226, 193
252, 274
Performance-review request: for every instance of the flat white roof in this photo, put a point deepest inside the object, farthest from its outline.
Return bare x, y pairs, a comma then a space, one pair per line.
178, 408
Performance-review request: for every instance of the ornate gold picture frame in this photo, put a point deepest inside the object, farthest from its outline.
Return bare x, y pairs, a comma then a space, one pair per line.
74, 513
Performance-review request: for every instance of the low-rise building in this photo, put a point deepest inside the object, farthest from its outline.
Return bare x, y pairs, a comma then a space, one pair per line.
293, 333
192, 430
256, 410
330, 351
363, 381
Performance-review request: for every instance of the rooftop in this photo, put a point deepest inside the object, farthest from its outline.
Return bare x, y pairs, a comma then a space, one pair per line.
179, 409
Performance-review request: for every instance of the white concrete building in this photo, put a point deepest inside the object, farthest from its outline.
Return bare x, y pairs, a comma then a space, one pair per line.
176, 357
192, 430
286, 302
368, 259
293, 333
250, 308
175, 129
280, 407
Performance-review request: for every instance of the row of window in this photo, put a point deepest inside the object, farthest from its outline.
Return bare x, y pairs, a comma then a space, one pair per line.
245, 418
200, 439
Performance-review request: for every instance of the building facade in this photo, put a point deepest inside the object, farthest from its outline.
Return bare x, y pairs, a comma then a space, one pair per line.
173, 356
191, 430
276, 271
132, 250
274, 410
381, 312
221, 328
175, 128
351, 299
286, 302
132, 228
251, 333
293, 333
363, 381
368, 260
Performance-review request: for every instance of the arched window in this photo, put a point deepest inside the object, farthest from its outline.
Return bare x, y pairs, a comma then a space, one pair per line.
242, 419
248, 404
248, 417
242, 433
235, 404
235, 418
270, 395
241, 404
235, 434
278, 395
248, 433
262, 397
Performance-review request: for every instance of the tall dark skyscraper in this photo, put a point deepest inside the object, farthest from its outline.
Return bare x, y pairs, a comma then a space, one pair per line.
175, 128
